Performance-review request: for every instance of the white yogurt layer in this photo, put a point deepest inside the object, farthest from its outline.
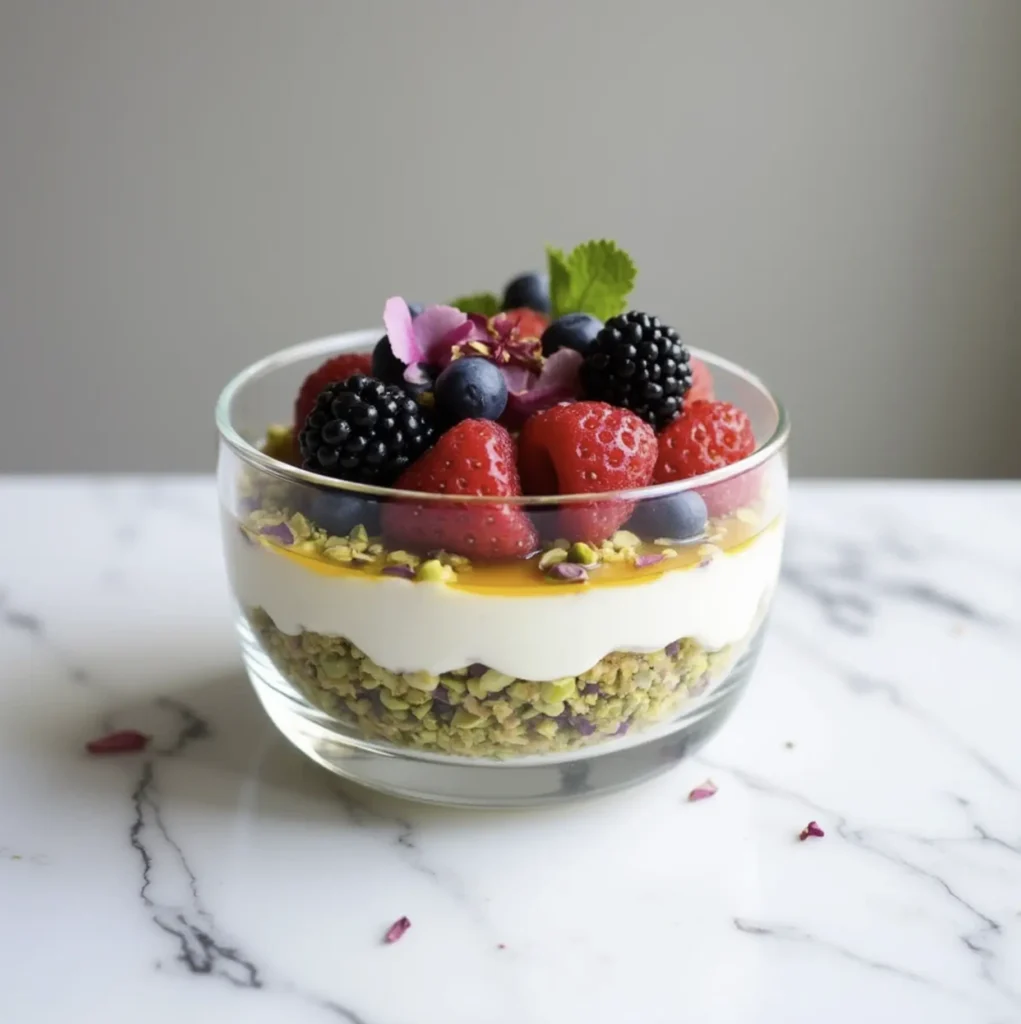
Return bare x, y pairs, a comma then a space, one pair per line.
407, 626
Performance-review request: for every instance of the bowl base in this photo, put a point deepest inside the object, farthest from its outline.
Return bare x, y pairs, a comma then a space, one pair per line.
484, 783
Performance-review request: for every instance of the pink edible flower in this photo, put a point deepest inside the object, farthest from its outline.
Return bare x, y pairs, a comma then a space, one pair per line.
703, 791
811, 829
396, 930
430, 338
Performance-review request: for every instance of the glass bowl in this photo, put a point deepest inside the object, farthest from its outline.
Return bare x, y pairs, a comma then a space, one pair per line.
602, 659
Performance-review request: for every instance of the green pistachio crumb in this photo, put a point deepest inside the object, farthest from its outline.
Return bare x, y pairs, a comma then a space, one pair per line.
583, 554
552, 557
434, 571
625, 539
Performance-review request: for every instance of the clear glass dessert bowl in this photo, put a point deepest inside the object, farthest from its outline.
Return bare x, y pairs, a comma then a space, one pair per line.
580, 669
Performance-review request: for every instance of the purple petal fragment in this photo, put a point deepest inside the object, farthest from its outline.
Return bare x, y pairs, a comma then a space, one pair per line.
622, 729
442, 694
582, 724
673, 649
477, 669
590, 688
811, 829
405, 572
557, 382
396, 930
568, 572
643, 561
433, 329
401, 331
703, 791
281, 532
518, 378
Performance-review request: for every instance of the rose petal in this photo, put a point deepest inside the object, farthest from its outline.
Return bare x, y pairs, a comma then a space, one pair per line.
518, 378
124, 741
433, 328
558, 382
643, 561
281, 532
401, 331
811, 829
403, 571
396, 930
570, 572
582, 724
703, 791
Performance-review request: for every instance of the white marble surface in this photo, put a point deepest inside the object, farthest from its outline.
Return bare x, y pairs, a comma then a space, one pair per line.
222, 878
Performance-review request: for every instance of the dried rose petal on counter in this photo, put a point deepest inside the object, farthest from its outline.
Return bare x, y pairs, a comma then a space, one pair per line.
124, 741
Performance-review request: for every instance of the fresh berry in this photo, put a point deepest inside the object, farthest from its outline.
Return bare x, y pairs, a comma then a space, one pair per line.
531, 290
575, 330
339, 513
470, 389
639, 364
333, 370
708, 436
587, 448
385, 365
681, 516
476, 457
701, 383
362, 429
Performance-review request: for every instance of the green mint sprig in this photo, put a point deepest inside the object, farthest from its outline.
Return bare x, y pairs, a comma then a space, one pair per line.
484, 303
595, 277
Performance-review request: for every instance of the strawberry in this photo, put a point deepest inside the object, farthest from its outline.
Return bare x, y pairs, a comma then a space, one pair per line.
476, 457
333, 371
701, 389
587, 448
708, 436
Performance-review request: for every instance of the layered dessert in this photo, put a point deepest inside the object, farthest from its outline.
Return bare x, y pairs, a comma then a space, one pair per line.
511, 536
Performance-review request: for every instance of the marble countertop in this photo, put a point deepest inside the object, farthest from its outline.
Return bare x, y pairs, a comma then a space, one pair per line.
221, 877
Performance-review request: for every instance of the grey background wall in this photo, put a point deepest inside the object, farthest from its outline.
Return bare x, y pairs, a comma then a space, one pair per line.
827, 190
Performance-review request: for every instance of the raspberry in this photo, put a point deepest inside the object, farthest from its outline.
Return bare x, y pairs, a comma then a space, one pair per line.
701, 383
587, 448
476, 457
708, 436
331, 372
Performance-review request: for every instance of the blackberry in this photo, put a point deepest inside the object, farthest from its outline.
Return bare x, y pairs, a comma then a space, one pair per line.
364, 430
638, 363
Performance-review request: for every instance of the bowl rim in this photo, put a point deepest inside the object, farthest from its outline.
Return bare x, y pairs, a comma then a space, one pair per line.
353, 341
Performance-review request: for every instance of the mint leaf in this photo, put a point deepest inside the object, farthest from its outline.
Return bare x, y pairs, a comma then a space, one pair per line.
596, 278
559, 280
483, 303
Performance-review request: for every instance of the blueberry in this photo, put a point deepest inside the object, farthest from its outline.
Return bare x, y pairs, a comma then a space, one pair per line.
339, 513
530, 291
470, 389
385, 365
575, 330
681, 516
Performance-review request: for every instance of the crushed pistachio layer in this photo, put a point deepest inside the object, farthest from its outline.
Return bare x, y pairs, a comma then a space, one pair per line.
479, 712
